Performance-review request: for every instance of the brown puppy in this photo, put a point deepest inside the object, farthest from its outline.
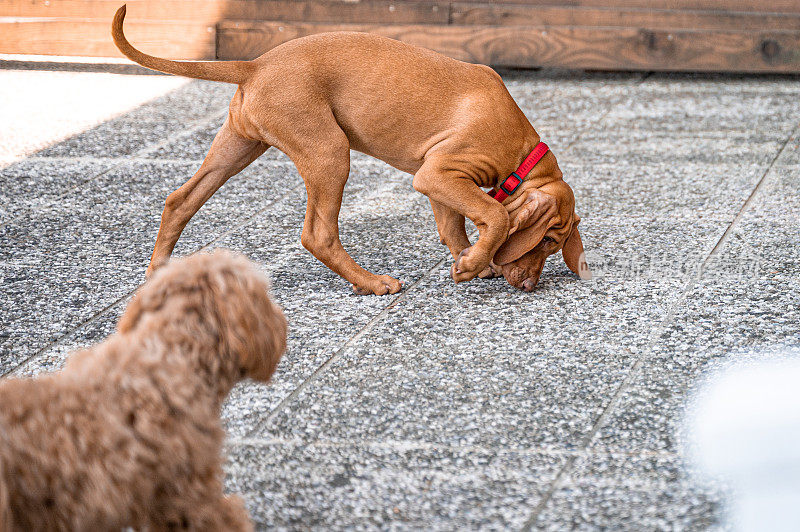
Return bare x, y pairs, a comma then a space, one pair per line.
128, 434
453, 125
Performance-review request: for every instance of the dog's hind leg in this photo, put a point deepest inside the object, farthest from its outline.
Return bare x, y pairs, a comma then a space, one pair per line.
325, 169
450, 225
230, 153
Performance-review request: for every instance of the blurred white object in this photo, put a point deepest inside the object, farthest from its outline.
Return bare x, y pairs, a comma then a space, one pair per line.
746, 432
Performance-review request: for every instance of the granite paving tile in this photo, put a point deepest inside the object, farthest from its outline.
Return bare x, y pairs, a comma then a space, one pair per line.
791, 153
34, 183
650, 413
663, 190
569, 108
778, 199
103, 235
755, 114
403, 486
763, 246
553, 77
631, 299
194, 145
456, 374
36, 306
747, 301
194, 101
631, 492
189, 145
377, 239
623, 248
110, 139
380, 207
567, 117
114, 219
96, 330
556, 136
646, 148
735, 310
721, 83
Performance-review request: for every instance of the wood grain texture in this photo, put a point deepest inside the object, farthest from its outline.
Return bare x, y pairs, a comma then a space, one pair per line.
178, 28
212, 11
700, 35
207, 11
571, 47
757, 6
93, 38
501, 14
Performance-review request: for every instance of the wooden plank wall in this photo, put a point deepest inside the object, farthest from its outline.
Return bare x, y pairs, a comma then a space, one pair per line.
691, 35
182, 29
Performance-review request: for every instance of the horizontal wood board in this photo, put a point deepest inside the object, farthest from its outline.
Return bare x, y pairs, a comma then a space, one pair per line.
572, 47
696, 35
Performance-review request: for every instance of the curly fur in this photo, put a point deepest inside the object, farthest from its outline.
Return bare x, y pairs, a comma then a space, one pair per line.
128, 434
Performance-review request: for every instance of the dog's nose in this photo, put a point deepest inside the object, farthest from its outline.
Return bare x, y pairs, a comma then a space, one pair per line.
530, 282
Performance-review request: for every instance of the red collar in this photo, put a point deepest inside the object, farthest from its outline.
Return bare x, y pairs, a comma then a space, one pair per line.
512, 182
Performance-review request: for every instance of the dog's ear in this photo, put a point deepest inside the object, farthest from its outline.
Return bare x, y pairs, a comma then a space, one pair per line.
252, 327
529, 223
573, 253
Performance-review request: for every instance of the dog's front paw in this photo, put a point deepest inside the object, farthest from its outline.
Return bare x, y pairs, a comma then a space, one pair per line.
468, 265
379, 285
491, 272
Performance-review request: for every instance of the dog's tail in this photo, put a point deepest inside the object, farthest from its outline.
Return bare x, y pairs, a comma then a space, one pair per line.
227, 71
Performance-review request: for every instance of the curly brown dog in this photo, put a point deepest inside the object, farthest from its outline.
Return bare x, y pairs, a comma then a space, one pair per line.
129, 434
453, 125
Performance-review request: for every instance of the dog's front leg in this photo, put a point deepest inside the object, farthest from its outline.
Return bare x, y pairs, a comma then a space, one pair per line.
453, 234
450, 189
450, 225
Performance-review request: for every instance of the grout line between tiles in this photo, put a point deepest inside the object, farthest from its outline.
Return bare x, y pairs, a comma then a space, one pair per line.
22, 364
656, 333
402, 445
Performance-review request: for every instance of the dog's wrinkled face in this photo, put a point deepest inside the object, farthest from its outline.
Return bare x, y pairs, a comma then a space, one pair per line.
543, 221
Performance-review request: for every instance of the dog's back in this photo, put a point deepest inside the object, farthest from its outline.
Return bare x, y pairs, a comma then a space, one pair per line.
50, 458
28, 460
89, 448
